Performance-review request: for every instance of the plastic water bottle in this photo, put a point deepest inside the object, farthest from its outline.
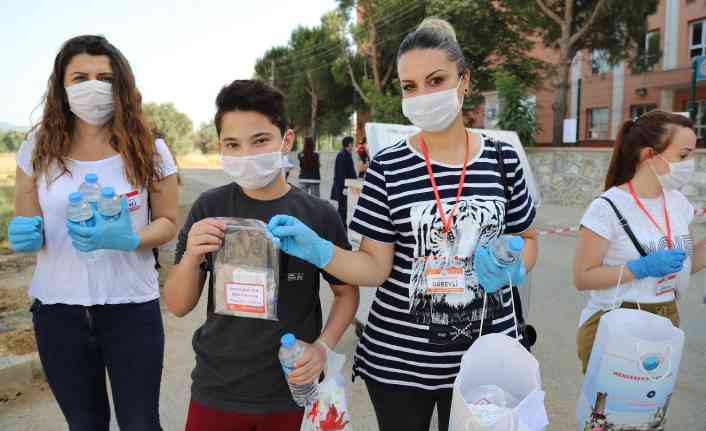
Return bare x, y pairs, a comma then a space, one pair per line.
507, 249
80, 212
289, 352
109, 204
91, 189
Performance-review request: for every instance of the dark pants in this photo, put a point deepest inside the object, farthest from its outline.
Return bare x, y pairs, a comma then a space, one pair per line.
343, 210
77, 344
408, 409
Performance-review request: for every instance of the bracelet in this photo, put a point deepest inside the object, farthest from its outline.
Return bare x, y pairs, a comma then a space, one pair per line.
323, 343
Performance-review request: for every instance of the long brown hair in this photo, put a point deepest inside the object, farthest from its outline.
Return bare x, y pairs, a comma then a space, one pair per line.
308, 163
129, 134
654, 129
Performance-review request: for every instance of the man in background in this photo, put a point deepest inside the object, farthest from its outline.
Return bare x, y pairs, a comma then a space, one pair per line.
344, 169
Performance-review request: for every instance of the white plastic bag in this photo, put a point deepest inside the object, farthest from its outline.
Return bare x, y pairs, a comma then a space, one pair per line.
632, 371
330, 411
498, 360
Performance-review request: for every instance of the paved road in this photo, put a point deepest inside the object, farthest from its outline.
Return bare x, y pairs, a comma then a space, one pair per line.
554, 307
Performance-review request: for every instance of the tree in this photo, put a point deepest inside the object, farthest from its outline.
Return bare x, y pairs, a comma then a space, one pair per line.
319, 98
517, 111
615, 26
371, 67
176, 127
206, 138
11, 140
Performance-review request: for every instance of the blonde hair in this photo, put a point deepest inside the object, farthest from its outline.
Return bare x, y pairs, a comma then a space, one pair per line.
439, 25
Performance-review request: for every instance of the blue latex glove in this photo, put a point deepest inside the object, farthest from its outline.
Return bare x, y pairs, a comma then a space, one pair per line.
109, 235
658, 264
493, 277
298, 240
26, 234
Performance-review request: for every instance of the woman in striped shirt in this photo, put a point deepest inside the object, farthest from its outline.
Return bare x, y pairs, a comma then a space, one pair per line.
430, 203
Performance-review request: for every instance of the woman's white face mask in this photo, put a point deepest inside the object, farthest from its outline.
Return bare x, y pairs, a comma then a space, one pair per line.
91, 101
254, 172
678, 176
433, 112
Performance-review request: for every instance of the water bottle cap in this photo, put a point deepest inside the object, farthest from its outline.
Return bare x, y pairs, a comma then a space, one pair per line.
91, 178
108, 192
75, 197
288, 340
516, 243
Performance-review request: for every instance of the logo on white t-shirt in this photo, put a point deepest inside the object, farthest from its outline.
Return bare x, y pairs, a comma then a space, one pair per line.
133, 200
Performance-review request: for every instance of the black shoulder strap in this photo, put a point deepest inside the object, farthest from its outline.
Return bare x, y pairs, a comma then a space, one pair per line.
626, 227
155, 251
503, 174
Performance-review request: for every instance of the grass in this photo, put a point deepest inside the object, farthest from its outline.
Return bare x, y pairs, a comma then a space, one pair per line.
197, 160
7, 193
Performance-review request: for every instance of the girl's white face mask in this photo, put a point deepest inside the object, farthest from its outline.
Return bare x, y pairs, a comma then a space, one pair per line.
254, 172
678, 176
433, 112
91, 101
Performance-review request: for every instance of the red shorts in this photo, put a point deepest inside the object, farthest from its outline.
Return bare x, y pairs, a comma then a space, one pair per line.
202, 418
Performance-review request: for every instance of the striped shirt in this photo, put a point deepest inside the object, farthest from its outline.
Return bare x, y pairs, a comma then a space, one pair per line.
413, 338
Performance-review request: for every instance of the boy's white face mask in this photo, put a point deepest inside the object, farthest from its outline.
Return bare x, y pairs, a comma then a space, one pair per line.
91, 101
254, 172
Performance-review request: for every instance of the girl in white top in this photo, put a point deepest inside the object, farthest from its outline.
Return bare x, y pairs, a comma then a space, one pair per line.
90, 316
652, 159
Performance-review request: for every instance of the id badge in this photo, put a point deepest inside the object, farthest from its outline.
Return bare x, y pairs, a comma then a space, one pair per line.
445, 278
247, 292
667, 284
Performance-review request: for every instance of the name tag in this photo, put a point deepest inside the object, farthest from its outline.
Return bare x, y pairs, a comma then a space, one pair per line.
247, 292
445, 279
133, 201
667, 284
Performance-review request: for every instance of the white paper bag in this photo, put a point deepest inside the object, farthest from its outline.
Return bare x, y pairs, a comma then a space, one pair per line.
330, 411
631, 373
496, 359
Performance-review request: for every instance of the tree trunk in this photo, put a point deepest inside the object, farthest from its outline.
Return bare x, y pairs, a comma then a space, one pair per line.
314, 114
561, 92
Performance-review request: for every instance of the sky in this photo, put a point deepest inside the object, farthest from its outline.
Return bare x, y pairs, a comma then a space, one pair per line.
180, 51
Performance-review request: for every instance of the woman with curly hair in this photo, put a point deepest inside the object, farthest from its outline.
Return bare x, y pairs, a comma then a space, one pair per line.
102, 313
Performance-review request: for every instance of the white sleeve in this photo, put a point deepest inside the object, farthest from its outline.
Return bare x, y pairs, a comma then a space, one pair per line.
24, 157
167, 164
601, 219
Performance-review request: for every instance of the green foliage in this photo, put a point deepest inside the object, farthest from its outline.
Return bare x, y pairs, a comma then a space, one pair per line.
176, 127
7, 198
10, 141
206, 138
516, 112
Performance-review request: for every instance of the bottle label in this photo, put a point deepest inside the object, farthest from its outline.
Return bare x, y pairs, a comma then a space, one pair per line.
133, 200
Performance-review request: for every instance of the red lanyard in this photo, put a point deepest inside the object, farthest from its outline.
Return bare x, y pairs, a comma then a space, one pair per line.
445, 221
668, 234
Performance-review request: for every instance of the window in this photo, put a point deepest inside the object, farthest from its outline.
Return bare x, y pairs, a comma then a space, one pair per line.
697, 42
637, 110
597, 123
599, 62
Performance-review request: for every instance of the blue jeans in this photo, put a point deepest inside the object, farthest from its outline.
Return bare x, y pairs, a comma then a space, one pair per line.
78, 344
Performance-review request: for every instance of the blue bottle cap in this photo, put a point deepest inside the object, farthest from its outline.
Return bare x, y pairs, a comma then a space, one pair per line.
288, 340
108, 192
516, 243
91, 178
75, 197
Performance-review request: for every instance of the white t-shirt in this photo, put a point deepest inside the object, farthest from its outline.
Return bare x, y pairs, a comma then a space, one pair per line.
601, 219
61, 276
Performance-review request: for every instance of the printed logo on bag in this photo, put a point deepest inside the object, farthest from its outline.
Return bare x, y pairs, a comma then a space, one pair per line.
133, 200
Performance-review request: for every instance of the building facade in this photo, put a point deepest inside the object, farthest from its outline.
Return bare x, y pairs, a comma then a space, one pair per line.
602, 96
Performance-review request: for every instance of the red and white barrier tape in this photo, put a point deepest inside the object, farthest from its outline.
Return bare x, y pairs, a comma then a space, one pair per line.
568, 230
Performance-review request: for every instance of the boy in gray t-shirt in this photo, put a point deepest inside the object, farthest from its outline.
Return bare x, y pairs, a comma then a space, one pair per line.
238, 382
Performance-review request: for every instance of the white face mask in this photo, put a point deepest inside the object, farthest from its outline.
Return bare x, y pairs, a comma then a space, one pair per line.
433, 112
254, 172
91, 101
678, 176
